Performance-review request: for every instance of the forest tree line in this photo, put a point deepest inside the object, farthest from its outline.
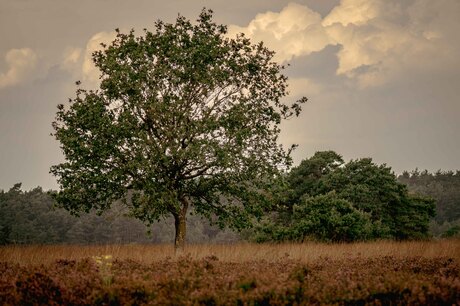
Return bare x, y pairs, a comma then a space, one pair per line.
444, 187
30, 217
323, 199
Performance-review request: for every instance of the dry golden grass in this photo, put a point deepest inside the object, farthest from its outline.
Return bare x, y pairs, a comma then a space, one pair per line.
243, 252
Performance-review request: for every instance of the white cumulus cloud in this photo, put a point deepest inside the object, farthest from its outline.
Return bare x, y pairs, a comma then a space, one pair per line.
382, 39
89, 71
356, 12
294, 31
379, 40
20, 62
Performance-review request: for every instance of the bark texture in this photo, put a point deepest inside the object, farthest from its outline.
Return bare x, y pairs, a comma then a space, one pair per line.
180, 218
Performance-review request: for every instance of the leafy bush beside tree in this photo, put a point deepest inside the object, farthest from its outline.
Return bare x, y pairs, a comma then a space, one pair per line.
329, 200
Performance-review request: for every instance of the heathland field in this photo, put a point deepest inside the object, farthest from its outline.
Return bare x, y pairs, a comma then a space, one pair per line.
359, 273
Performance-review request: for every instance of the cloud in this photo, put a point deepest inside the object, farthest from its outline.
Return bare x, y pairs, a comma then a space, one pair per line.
295, 31
20, 62
71, 58
299, 86
357, 12
79, 61
379, 40
89, 71
385, 40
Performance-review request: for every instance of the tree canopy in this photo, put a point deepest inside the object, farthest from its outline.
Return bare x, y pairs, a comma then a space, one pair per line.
327, 199
185, 118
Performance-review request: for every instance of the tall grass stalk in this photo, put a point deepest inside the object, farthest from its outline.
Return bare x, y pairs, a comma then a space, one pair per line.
242, 252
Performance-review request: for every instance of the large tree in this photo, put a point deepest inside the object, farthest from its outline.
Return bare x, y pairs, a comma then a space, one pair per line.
185, 118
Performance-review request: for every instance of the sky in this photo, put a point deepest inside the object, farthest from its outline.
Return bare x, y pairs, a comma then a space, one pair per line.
382, 76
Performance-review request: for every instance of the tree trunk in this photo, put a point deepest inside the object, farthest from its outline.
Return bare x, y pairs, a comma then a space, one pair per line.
179, 241
180, 225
